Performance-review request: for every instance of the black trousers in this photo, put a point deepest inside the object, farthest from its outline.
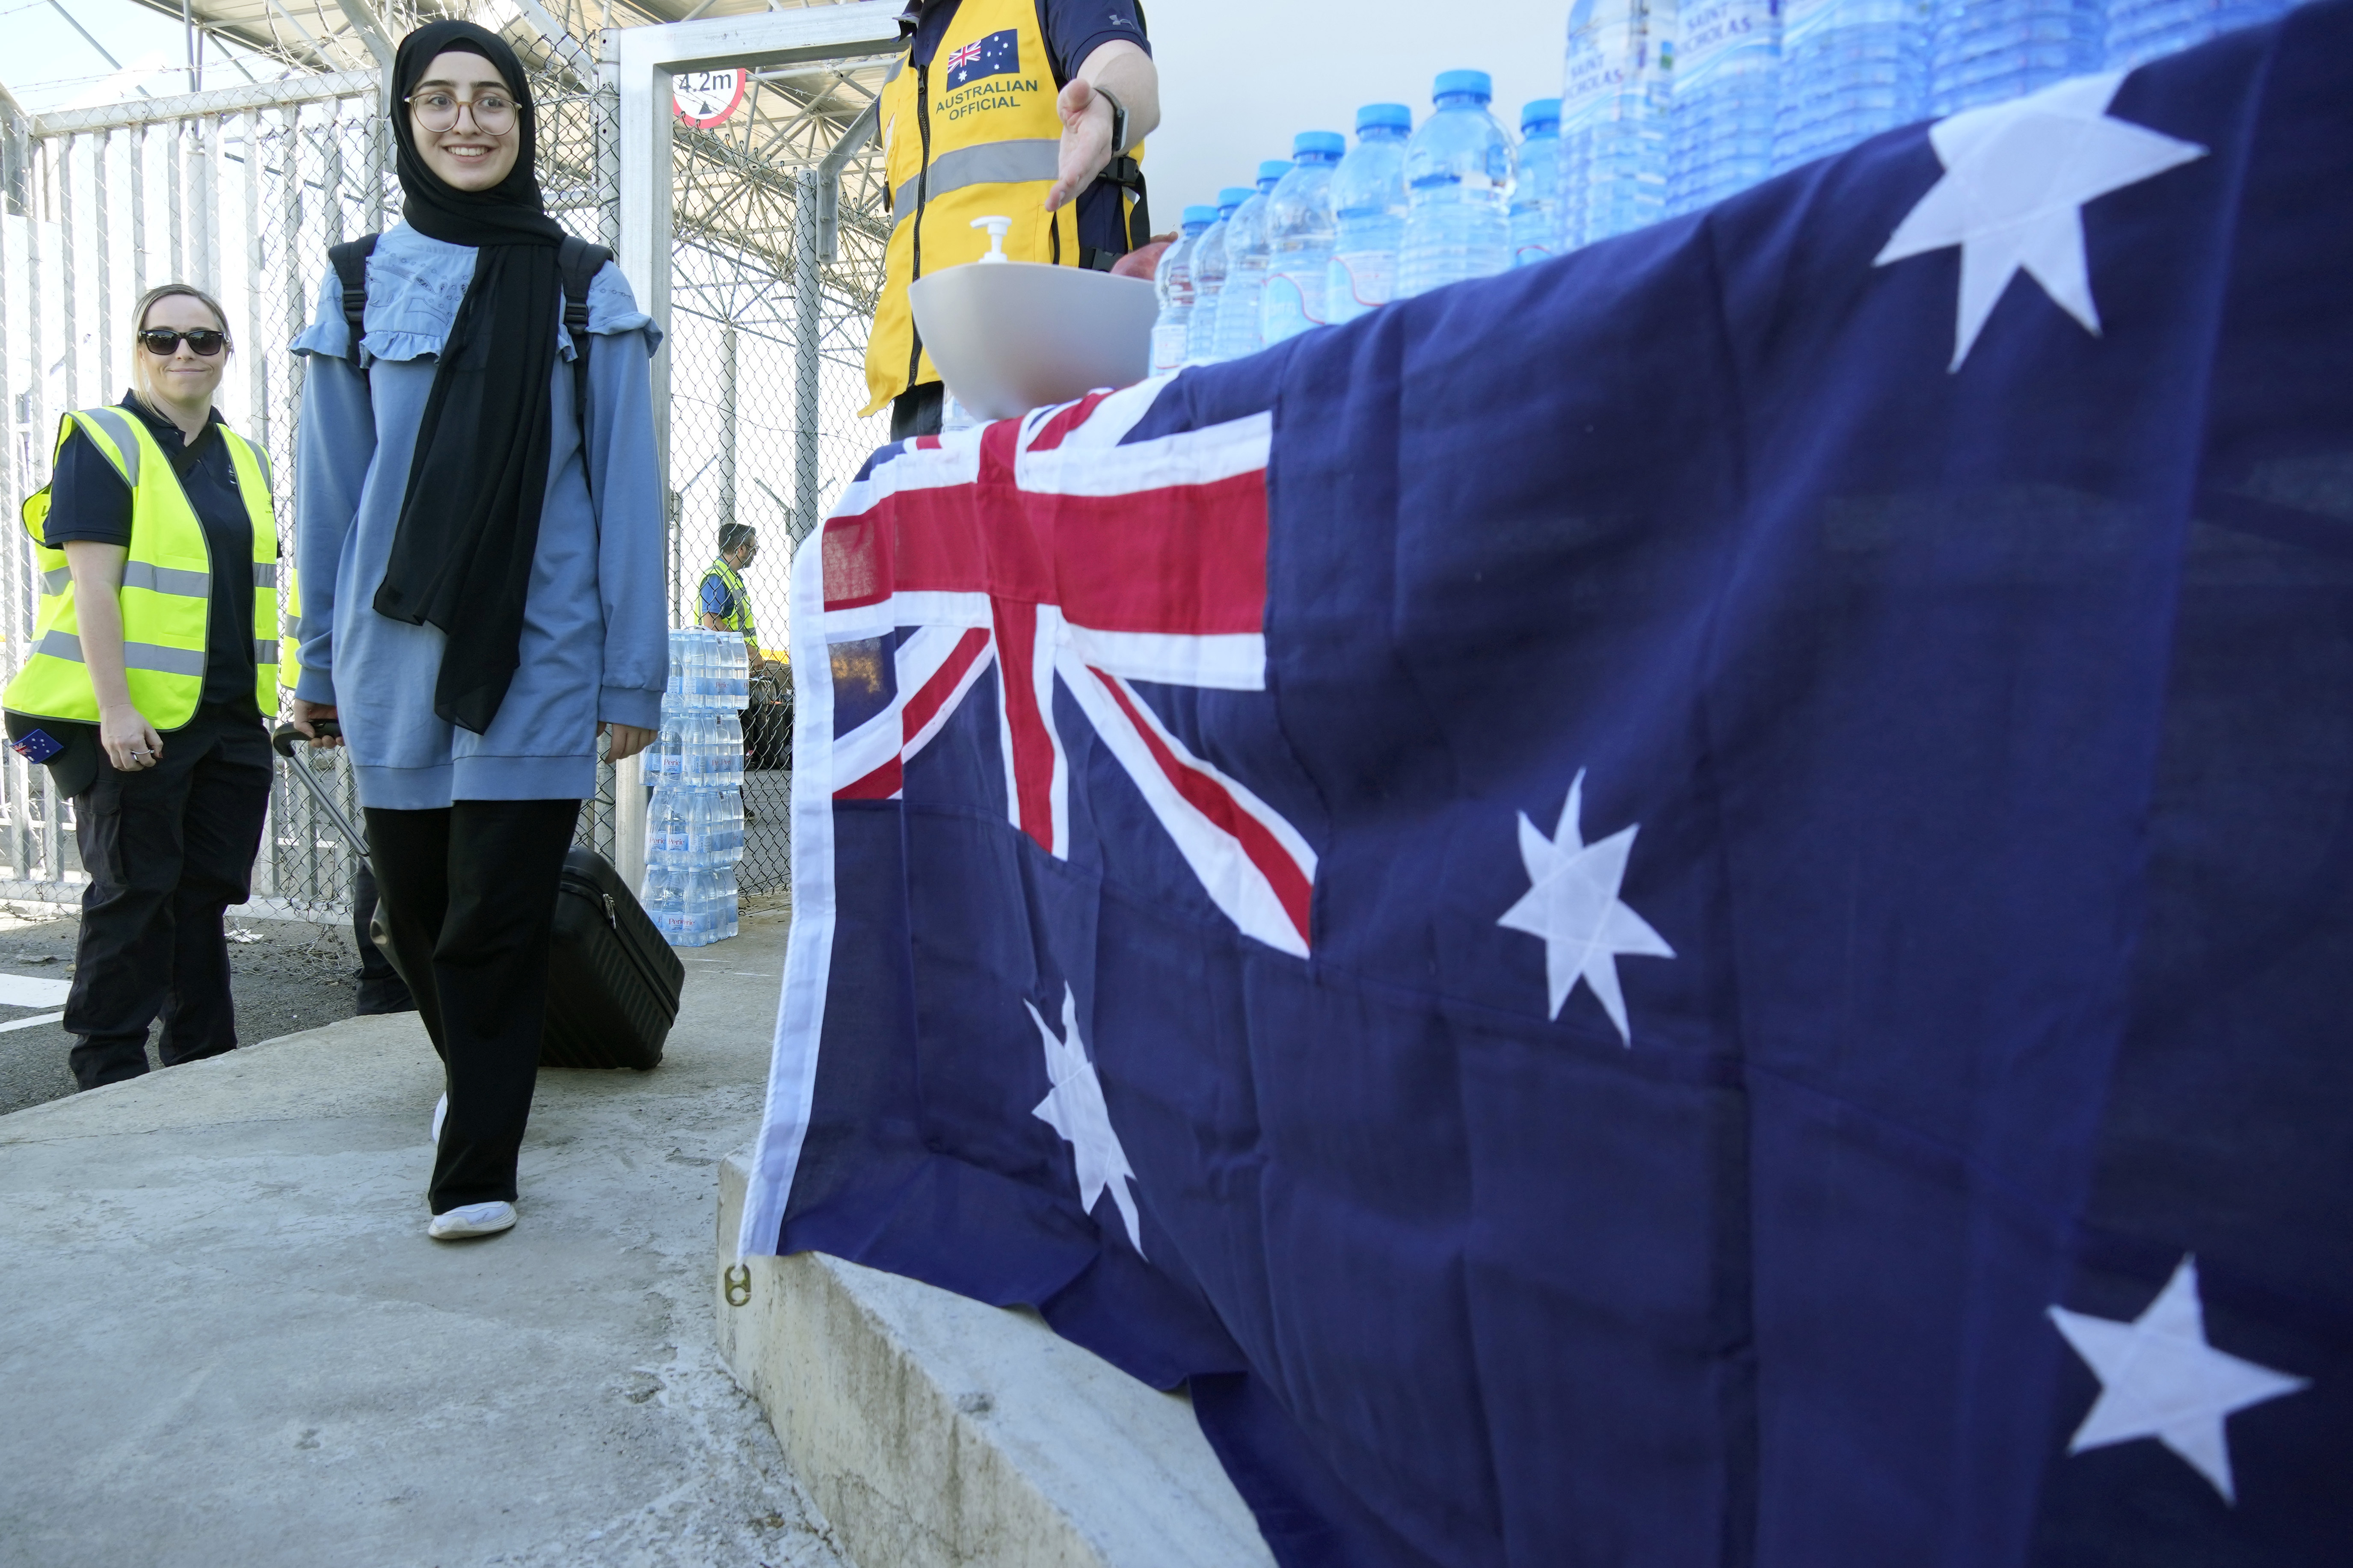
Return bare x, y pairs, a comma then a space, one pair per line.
468, 898
167, 849
918, 411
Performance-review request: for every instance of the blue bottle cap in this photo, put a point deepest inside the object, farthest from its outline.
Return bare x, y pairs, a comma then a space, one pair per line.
1233, 197
1272, 169
1330, 143
1383, 116
1202, 215
1540, 111
1476, 82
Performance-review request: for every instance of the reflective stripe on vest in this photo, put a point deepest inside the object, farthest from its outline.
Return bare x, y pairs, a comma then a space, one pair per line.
135, 655
990, 164
988, 146
165, 591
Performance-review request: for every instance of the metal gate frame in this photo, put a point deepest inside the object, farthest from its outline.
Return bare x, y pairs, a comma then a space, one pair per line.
639, 62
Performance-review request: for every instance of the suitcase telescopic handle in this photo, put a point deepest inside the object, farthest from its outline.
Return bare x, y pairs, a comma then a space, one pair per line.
283, 740
285, 737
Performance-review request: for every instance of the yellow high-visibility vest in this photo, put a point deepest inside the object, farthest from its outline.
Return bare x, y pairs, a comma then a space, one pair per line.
739, 618
166, 593
990, 146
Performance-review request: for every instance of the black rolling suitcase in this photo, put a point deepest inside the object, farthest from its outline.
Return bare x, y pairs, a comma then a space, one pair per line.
612, 983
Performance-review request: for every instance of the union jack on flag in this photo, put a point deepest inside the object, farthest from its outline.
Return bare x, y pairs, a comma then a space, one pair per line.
963, 56
1047, 550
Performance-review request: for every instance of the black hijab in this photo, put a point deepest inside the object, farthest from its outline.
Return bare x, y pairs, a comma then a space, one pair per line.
461, 556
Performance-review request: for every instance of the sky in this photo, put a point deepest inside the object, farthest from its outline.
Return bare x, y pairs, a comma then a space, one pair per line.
1239, 78
51, 66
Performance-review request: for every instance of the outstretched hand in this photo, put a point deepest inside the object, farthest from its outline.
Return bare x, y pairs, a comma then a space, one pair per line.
1086, 141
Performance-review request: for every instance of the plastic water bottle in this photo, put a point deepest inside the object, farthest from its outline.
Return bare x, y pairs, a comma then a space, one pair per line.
665, 825
1849, 69
1618, 86
1535, 200
1726, 83
1988, 52
663, 904
1209, 276
1458, 174
1368, 208
1174, 279
1299, 232
2141, 30
1246, 259
730, 770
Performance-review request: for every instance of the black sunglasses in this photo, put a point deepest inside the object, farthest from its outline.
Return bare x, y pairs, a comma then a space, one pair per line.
164, 343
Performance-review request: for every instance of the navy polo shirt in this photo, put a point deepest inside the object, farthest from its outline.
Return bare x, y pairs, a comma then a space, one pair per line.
1074, 29
89, 501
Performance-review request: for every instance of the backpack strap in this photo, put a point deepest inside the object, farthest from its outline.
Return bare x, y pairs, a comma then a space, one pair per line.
1127, 175
350, 260
579, 262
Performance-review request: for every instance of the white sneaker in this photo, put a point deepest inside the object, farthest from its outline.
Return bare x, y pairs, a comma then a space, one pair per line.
473, 1219
440, 1114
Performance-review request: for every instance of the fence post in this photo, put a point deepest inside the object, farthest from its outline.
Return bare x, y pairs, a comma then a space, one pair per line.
68, 272
102, 315
809, 305
727, 405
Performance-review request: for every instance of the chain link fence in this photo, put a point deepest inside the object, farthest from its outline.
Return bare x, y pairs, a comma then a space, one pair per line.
242, 191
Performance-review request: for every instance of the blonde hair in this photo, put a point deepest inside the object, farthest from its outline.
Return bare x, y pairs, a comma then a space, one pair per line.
142, 379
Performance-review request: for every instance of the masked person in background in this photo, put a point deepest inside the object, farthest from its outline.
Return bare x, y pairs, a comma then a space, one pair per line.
476, 540
146, 685
1030, 109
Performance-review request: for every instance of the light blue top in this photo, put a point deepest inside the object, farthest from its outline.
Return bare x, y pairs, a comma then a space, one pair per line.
1472, 84
595, 645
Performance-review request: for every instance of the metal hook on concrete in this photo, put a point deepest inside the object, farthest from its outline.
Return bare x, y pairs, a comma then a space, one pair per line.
737, 1281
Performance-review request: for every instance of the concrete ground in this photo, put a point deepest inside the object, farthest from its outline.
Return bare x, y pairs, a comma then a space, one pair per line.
288, 976
225, 1338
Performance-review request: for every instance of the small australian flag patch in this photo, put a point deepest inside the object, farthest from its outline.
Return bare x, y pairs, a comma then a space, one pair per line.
996, 54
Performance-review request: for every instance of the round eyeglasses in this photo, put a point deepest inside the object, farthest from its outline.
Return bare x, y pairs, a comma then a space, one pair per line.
494, 113
164, 341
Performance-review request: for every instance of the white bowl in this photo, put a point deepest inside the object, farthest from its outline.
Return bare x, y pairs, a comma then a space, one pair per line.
1010, 336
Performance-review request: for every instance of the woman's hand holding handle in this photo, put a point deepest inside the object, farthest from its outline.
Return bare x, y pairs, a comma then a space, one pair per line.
307, 717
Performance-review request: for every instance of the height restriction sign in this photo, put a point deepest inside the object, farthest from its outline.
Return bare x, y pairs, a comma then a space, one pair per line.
705, 99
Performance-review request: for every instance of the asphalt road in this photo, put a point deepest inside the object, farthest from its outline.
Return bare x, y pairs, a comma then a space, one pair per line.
287, 975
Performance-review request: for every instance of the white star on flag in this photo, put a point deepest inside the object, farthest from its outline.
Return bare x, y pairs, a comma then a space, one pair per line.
2159, 1378
1074, 1108
1572, 905
2017, 175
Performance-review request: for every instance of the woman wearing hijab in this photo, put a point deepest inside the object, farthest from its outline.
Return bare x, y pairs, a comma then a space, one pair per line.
477, 556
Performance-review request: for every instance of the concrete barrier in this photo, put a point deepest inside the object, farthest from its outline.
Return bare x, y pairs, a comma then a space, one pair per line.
934, 1431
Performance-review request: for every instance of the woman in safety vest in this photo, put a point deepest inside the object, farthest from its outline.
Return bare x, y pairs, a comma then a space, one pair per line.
157, 626
476, 541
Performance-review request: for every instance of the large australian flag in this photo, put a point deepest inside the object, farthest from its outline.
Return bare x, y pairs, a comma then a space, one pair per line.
1690, 907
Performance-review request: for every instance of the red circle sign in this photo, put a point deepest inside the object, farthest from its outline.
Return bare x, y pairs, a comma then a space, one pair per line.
705, 99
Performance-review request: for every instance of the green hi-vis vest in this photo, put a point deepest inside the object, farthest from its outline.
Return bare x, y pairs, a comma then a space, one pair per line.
166, 586
739, 617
